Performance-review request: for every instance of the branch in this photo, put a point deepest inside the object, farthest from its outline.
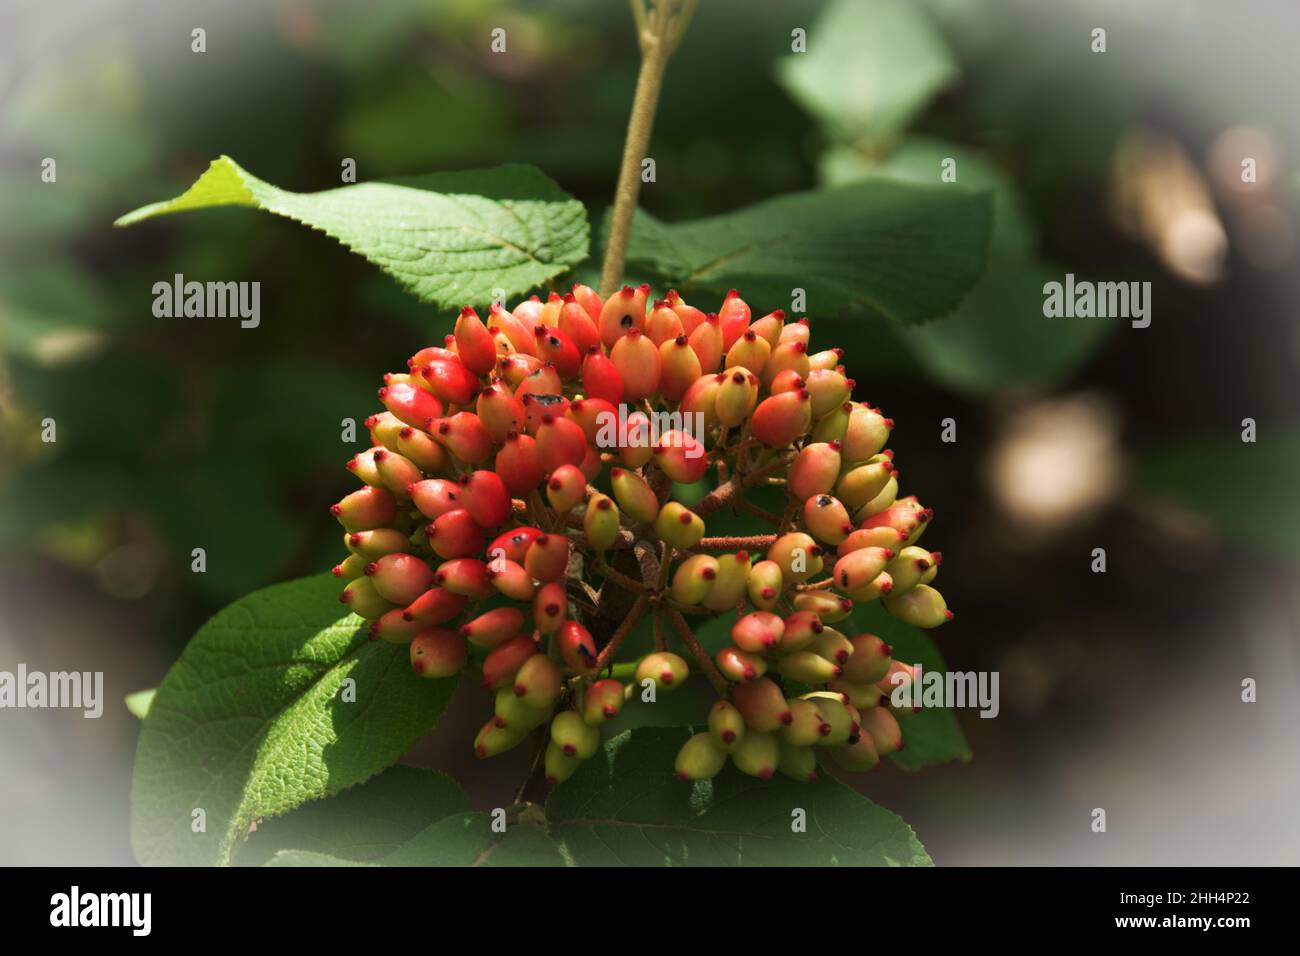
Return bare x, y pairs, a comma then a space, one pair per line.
688, 638
609, 650
756, 542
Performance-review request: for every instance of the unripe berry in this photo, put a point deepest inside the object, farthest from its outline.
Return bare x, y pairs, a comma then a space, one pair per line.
600, 523
579, 326
574, 735
351, 567
796, 332
434, 497
827, 518
493, 627
869, 661
559, 765
764, 585
510, 578
365, 509
679, 367
495, 738
465, 437
787, 356
832, 645
733, 317
700, 758
737, 396
922, 606
726, 725
516, 332
591, 414
737, 665
678, 526
635, 497
550, 607
519, 464
797, 555
882, 727
787, 381
883, 537
857, 569
903, 516
828, 389
701, 399
566, 488
560, 441
435, 606
474, 343
879, 586
690, 316
484, 495
663, 324
797, 763
455, 534
529, 312
706, 342
549, 317
362, 599
513, 712
400, 578
421, 449
780, 419
602, 702
393, 627
668, 671
749, 351
908, 568
758, 632
801, 629
362, 464
857, 757
515, 369
826, 359
729, 586
681, 456
622, 311
815, 470
860, 485
902, 679
412, 405
637, 359
543, 381
513, 545
504, 661
757, 754
443, 380
831, 608
762, 704
807, 668
499, 410
548, 557
589, 299
833, 425
577, 647
768, 328
429, 354
806, 727
555, 346
376, 543
866, 433
928, 575
600, 379
861, 696
538, 682
437, 653
539, 407
838, 727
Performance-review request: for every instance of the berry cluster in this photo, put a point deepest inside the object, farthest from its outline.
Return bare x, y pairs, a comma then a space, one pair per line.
530, 474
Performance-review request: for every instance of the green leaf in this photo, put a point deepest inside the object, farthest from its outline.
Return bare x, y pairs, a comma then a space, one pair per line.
449, 238
998, 338
364, 823
625, 807
1256, 506
931, 736
311, 858
467, 839
909, 252
140, 702
250, 722
871, 66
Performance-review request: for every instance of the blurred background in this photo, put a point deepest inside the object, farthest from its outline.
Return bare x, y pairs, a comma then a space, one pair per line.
1119, 690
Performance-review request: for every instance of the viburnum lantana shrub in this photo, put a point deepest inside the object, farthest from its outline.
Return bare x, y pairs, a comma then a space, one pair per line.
542, 481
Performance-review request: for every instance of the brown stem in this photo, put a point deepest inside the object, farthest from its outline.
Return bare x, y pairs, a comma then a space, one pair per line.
618, 577
725, 493
609, 650
758, 512
688, 638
